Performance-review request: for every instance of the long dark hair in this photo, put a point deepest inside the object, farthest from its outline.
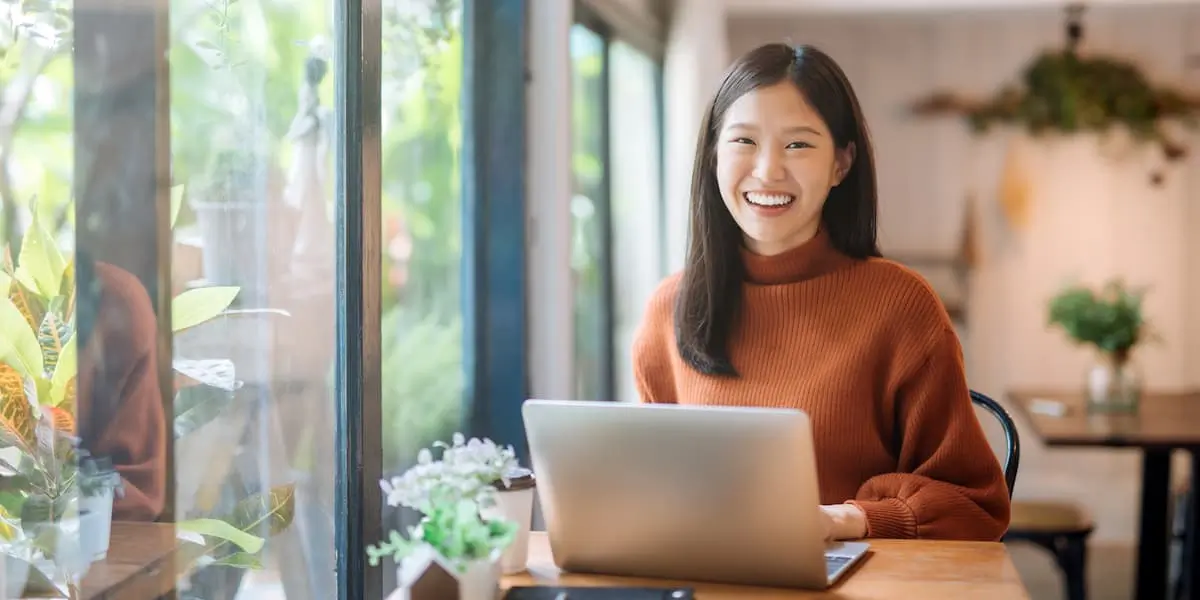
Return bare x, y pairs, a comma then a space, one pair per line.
709, 299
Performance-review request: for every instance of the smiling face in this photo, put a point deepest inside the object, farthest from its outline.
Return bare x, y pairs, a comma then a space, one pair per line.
776, 162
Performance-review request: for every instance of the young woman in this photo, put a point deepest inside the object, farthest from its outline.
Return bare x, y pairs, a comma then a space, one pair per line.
785, 302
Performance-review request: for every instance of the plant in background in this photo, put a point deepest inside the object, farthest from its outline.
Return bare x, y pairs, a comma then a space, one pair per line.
1111, 320
38, 367
450, 493
1064, 91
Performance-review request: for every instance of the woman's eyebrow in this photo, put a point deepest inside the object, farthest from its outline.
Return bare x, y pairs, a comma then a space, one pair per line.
793, 129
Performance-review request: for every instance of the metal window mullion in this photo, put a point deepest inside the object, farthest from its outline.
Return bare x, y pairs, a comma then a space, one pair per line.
358, 433
608, 291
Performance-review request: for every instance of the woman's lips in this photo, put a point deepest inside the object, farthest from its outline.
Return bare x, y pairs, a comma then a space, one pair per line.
769, 203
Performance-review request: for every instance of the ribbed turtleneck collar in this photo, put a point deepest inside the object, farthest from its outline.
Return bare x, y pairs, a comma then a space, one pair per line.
811, 259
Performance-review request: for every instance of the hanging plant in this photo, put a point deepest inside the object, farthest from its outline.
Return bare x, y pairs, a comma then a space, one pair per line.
1061, 91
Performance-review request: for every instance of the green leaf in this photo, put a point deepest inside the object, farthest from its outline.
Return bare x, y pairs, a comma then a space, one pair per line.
176, 203
11, 501
19, 346
222, 530
194, 307
5, 283
197, 406
274, 510
41, 264
64, 372
240, 560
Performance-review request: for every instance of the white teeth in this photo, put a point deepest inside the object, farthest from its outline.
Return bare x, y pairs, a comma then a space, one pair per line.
769, 199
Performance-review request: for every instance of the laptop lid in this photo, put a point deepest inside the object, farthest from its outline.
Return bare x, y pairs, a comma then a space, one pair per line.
702, 493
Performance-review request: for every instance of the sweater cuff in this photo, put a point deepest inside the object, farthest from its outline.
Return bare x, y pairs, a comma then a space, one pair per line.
889, 518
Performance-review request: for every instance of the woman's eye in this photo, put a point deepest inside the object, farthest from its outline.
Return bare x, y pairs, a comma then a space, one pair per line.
742, 140
798, 145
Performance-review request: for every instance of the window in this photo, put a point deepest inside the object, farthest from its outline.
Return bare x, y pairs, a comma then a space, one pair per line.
423, 375
254, 261
638, 205
618, 247
591, 243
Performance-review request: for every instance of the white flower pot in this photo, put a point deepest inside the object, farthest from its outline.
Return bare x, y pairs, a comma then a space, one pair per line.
95, 524
481, 581
514, 503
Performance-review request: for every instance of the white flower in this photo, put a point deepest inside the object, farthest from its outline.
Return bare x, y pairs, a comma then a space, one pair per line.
468, 470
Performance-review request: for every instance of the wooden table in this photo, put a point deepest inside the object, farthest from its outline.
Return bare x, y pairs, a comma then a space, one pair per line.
892, 569
140, 564
1165, 422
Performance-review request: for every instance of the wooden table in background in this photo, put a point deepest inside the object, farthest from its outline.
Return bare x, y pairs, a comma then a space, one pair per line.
1165, 422
139, 565
892, 569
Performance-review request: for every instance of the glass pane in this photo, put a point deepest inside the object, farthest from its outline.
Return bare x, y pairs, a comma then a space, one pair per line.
251, 141
422, 318
242, 200
636, 198
588, 224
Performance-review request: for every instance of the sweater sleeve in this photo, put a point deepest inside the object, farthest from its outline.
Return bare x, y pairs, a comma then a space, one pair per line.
653, 346
948, 483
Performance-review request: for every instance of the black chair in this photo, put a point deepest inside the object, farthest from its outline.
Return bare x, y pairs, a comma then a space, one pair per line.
1062, 528
1012, 440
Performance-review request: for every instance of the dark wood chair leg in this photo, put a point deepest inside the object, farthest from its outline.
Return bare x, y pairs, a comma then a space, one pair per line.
1071, 553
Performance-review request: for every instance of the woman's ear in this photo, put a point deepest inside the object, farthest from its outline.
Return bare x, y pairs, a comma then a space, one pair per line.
844, 160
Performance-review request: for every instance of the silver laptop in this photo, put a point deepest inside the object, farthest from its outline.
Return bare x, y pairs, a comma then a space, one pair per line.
716, 494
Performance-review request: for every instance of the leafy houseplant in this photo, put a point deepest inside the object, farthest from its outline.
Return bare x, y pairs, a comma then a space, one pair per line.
456, 533
1112, 322
51, 479
1064, 91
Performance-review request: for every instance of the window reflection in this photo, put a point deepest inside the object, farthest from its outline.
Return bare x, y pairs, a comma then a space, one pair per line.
254, 249
88, 397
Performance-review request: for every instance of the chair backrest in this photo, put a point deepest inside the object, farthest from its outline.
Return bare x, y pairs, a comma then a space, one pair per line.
1012, 440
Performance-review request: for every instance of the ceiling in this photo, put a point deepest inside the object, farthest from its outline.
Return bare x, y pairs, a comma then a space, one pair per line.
778, 7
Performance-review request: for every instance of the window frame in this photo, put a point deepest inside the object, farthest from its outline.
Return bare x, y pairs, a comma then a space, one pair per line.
357, 377
494, 249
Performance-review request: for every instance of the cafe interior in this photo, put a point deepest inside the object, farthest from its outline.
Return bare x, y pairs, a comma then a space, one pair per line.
314, 299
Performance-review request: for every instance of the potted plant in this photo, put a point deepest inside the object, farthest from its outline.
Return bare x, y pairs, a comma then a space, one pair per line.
1110, 321
456, 550
55, 499
98, 483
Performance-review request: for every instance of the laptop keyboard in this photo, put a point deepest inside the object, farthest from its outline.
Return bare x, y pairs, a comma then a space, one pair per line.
834, 563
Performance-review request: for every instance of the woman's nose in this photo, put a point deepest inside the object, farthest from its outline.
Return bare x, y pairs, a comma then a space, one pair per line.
769, 166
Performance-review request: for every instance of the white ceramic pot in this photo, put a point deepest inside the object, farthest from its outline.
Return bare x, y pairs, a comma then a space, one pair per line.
95, 524
481, 581
515, 503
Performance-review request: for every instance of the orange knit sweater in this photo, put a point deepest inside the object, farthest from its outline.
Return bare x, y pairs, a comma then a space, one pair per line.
867, 350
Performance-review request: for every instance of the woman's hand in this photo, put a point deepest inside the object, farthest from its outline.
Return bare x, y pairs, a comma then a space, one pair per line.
843, 522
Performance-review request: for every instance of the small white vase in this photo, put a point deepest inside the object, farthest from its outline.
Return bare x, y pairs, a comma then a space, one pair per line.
95, 523
481, 581
515, 503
